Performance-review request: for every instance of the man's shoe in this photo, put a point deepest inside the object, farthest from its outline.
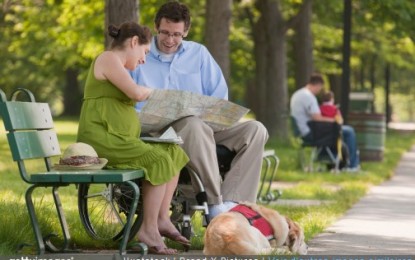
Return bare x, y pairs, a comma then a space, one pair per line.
215, 210
353, 169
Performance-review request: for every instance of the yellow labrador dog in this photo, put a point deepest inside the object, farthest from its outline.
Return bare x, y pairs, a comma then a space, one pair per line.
233, 232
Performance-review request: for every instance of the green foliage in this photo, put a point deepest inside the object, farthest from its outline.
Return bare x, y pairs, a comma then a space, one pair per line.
382, 33
43, 39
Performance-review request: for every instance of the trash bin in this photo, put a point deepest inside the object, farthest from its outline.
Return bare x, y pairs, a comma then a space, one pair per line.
370, 134
361, 102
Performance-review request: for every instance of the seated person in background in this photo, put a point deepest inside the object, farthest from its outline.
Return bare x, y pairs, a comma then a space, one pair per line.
328, 108
304, 108
174, 63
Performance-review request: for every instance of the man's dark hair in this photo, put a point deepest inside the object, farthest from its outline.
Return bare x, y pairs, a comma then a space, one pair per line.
175, 12
316, 79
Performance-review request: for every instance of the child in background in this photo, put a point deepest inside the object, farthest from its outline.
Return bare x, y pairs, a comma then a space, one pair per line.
328, 108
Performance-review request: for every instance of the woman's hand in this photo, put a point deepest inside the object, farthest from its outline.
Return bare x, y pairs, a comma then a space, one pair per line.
147, 92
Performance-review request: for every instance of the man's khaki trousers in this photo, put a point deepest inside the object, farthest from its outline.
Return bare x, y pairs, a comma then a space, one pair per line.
247, 139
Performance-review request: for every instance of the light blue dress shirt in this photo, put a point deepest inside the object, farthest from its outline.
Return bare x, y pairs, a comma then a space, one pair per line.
192, 68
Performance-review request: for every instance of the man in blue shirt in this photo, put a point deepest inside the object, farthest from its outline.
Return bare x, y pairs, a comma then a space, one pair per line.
184, 65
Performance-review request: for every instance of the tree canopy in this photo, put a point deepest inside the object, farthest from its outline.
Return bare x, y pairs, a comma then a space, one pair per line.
48, 45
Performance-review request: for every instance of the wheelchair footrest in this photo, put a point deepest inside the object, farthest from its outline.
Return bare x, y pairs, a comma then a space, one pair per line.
198, 207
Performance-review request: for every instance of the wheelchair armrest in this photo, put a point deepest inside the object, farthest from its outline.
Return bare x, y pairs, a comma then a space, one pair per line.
324, 133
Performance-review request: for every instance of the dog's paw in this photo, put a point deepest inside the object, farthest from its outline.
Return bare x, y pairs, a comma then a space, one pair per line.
283, 250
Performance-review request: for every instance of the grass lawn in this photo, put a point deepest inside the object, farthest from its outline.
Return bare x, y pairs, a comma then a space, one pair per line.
341, 191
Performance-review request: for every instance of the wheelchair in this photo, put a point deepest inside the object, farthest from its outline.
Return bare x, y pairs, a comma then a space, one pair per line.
103, 208
327, 147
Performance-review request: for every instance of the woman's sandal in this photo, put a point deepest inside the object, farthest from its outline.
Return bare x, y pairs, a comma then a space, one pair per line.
160, 250
176, 237
134, 247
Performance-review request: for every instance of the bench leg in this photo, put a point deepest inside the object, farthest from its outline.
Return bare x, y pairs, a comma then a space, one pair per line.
274, 171
62, 219
333, 158
307, 157
33, 219
313, 158
270, 171
133, 207
267, 168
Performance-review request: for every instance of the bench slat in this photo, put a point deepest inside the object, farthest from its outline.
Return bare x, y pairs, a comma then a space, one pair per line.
33, 144
45, 178
26, 115
98, 176
115, 176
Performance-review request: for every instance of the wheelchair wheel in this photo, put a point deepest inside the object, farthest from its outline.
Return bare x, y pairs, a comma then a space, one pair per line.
103, 210
183, 204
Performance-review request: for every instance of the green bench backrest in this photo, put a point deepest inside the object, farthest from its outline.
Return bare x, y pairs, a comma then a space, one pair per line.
30, 129
33, 144
26, 116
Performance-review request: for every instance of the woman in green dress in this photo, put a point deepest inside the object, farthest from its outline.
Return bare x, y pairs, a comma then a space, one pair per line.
109, 123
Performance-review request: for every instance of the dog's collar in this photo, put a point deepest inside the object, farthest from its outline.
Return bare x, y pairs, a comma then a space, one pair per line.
255, 220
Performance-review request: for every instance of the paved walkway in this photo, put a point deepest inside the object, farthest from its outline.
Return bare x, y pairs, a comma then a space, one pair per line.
383, 222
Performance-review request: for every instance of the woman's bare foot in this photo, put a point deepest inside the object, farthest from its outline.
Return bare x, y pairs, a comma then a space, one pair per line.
154, 241
168, 230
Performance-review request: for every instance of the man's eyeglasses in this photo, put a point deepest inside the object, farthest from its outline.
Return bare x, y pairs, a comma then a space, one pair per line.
175, 35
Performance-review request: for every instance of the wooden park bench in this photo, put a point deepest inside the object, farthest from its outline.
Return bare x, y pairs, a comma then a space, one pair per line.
30, 134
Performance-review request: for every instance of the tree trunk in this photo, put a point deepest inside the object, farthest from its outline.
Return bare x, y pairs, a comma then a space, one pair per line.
362, 74
388, 114
269, 38
347, 28
373, 79
251, 96
271, 69
72, 96
218, 22
303, 47
372, 73
335, 81
117, 12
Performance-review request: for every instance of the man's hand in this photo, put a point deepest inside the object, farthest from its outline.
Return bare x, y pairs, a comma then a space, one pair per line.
319, 117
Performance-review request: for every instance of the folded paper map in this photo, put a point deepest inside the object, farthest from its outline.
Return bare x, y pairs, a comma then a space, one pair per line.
169, 136
166, 106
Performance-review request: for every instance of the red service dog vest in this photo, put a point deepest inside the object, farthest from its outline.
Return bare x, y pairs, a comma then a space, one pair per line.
256, 220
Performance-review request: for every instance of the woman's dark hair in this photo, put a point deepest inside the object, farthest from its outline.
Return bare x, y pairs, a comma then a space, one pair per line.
127, 30
173, 11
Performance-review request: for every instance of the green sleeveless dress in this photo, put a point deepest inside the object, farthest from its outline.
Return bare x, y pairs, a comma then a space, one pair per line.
110, 124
